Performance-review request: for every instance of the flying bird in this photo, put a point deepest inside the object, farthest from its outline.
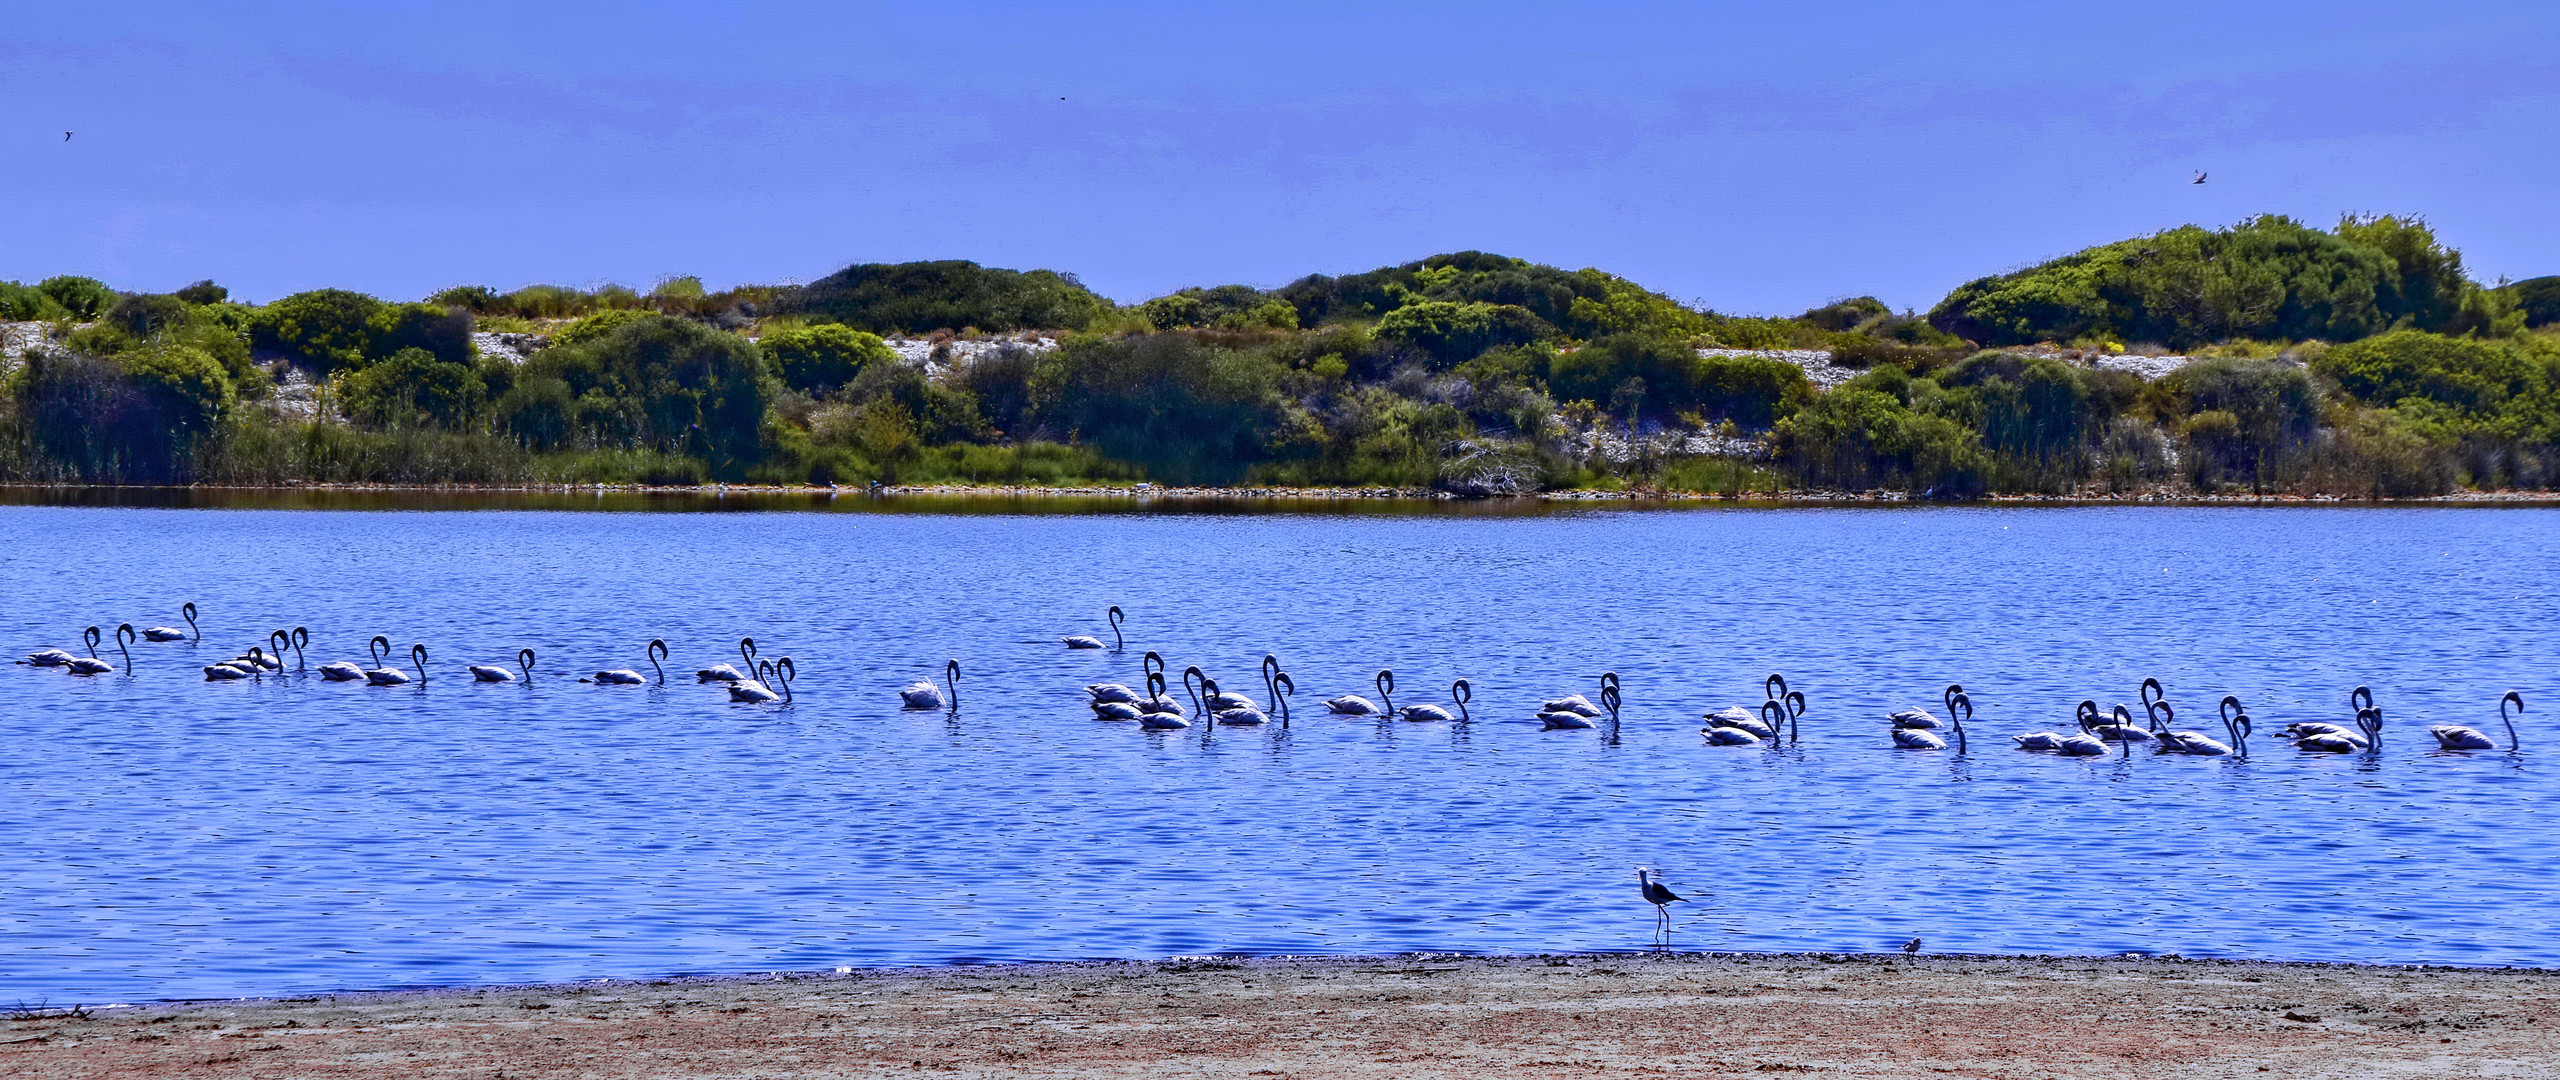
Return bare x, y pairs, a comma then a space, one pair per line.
66, 136
2199, 176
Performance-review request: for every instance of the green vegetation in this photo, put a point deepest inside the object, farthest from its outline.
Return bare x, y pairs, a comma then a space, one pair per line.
2359, 360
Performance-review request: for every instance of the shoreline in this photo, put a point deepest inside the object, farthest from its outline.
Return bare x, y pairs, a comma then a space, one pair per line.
1148, 493
1416, 1014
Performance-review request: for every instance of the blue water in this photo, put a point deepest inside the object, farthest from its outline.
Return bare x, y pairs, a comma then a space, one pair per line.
165, 837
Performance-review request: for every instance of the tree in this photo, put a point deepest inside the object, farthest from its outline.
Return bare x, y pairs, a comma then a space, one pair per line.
83, 297
655, 382
412, 388
1452, 333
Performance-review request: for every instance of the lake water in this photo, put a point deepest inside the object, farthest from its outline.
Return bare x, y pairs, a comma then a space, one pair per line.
165, 837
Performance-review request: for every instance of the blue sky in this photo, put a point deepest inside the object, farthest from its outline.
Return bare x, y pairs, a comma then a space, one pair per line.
1757, 158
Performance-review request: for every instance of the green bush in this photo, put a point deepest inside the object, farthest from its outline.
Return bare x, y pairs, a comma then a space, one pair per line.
138, 418
820, 358
1581, 303
413, 388
1190, 412
1859, 438
203, 292
1453, 333
919, 297
2267, 278
1666, 376
324, 329
1227, 307
26, 303
145, 315
2475, 377
83, 297
652, 383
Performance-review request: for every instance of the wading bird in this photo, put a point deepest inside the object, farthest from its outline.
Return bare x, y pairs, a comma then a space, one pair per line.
2195, 742
1661, 897
773, 683
1958, 708
1117, 642
725, 673
235, 669
1355, 705
627, 677
390, 676
2368, 736
1724, 732
922, 694
1160, 713
1459, 694
164, 633
2458, 737
90, 664
493, 673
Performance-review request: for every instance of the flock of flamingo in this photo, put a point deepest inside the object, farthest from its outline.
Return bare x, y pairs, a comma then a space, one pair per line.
1776, 721
759, 681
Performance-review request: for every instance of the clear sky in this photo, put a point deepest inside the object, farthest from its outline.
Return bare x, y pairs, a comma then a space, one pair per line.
1757, 158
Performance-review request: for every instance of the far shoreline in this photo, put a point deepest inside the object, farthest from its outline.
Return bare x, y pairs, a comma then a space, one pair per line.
1150, 495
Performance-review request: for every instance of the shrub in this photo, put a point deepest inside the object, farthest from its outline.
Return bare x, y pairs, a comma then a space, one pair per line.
1452, 333
653, 383
2473, 376
26, 303
1844, 315
1189, 412
1227, 307
2269, 278
324, 329
83, 297
918, 297
600, 324
411, 388
203, 292
145, 315
820, 358
140, 417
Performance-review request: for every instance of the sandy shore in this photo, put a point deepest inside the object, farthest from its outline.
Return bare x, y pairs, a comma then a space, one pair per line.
1405, 1016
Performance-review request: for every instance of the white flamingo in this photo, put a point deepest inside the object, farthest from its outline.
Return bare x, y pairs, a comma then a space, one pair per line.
2458, 737
1355, 705
2368, 735
725, 673
391, 676
2235, 724
1459, 694
627, 677
770, 676
493, 673
924, 695
164, 633
1082, 641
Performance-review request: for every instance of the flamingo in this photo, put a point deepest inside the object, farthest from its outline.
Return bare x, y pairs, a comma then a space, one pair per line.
1459, 694
2084, 744
90, 664
627, 677
1739, 719
492, 673
1160, 713
235, 669
1910, 738
345, 670
2123, 729
771, 674
163, 633
1726, 733
2197, 742
2368, 736
923, 695
1573, 719
1355, 705
2457, 737
1083, 642
725, 673
390, 676
1916, 717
